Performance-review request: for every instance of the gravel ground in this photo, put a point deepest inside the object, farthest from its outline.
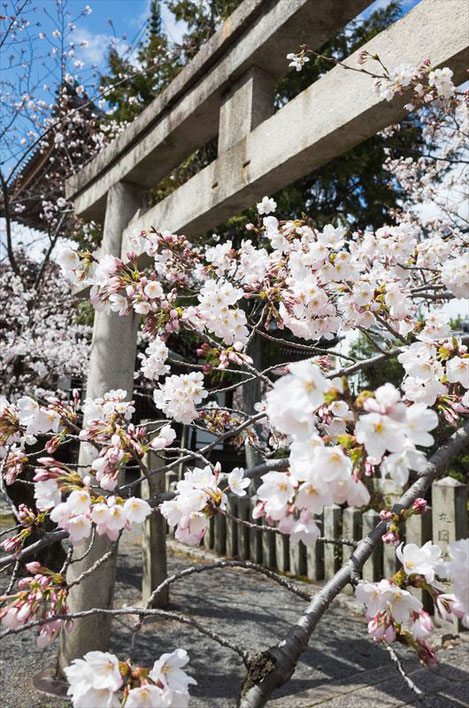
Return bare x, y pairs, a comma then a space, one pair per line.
341, 667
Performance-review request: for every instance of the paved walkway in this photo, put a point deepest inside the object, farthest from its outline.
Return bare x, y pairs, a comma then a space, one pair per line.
341, 668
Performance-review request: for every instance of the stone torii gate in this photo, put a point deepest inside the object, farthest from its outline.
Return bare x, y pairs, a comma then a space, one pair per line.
227, 90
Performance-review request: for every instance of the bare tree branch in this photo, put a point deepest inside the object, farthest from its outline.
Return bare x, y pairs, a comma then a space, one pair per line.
141, 612
277, 664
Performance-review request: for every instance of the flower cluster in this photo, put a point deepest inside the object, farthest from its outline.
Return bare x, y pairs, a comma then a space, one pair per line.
106, 422
435, 369
391, 427
21, 423
386, 434
389, 606
318, 474
28, 522
426, 83
197, 496
110, 515
101, 680
40, 339
82, 507
153, 360
42, 594
177, 396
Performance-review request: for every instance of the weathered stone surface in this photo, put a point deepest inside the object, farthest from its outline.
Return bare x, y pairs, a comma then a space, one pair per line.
418, 530
220, 534
315, 557
243, 531
332, 529
282, 551
297, 558
255, 537
246, 104
232, 527
154, 538
351, 531
373, 567
449, 520
449, 500
112, 363
269, 551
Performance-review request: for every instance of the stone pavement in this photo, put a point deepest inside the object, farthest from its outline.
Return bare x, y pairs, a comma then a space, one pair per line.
341, 667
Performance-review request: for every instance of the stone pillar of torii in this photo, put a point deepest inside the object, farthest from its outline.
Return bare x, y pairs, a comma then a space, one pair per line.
112, 365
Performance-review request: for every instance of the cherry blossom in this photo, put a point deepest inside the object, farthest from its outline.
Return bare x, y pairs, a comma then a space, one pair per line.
237, 482
266, 205
421, 561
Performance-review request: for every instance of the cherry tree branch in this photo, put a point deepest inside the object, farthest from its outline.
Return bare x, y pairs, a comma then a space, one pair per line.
47, 540
248, 565
141, 612
276, 665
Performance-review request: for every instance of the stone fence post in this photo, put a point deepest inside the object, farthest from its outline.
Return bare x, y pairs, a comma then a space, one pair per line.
154, 538
449, 518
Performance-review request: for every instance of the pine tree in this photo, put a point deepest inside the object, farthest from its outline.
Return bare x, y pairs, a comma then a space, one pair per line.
154, 23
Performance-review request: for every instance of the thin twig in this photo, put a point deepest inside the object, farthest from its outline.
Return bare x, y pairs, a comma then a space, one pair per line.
97, 564
140, 611
274, 529
398, 664
249, 565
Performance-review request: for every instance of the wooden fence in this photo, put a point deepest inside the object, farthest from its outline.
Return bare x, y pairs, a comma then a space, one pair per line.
446, 521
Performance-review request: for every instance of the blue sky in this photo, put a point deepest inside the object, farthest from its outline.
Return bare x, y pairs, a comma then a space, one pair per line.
128, 17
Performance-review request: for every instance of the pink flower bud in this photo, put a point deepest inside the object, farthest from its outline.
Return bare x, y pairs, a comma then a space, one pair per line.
33, 567
390, 537
259, 510
386, 514
41, 475
376, 628
390, 633
47, 461
363, 56
426, 654
23, 613
11, 544
420, 506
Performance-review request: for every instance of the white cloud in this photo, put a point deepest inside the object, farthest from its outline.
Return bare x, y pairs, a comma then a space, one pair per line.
97, 46
175, 30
